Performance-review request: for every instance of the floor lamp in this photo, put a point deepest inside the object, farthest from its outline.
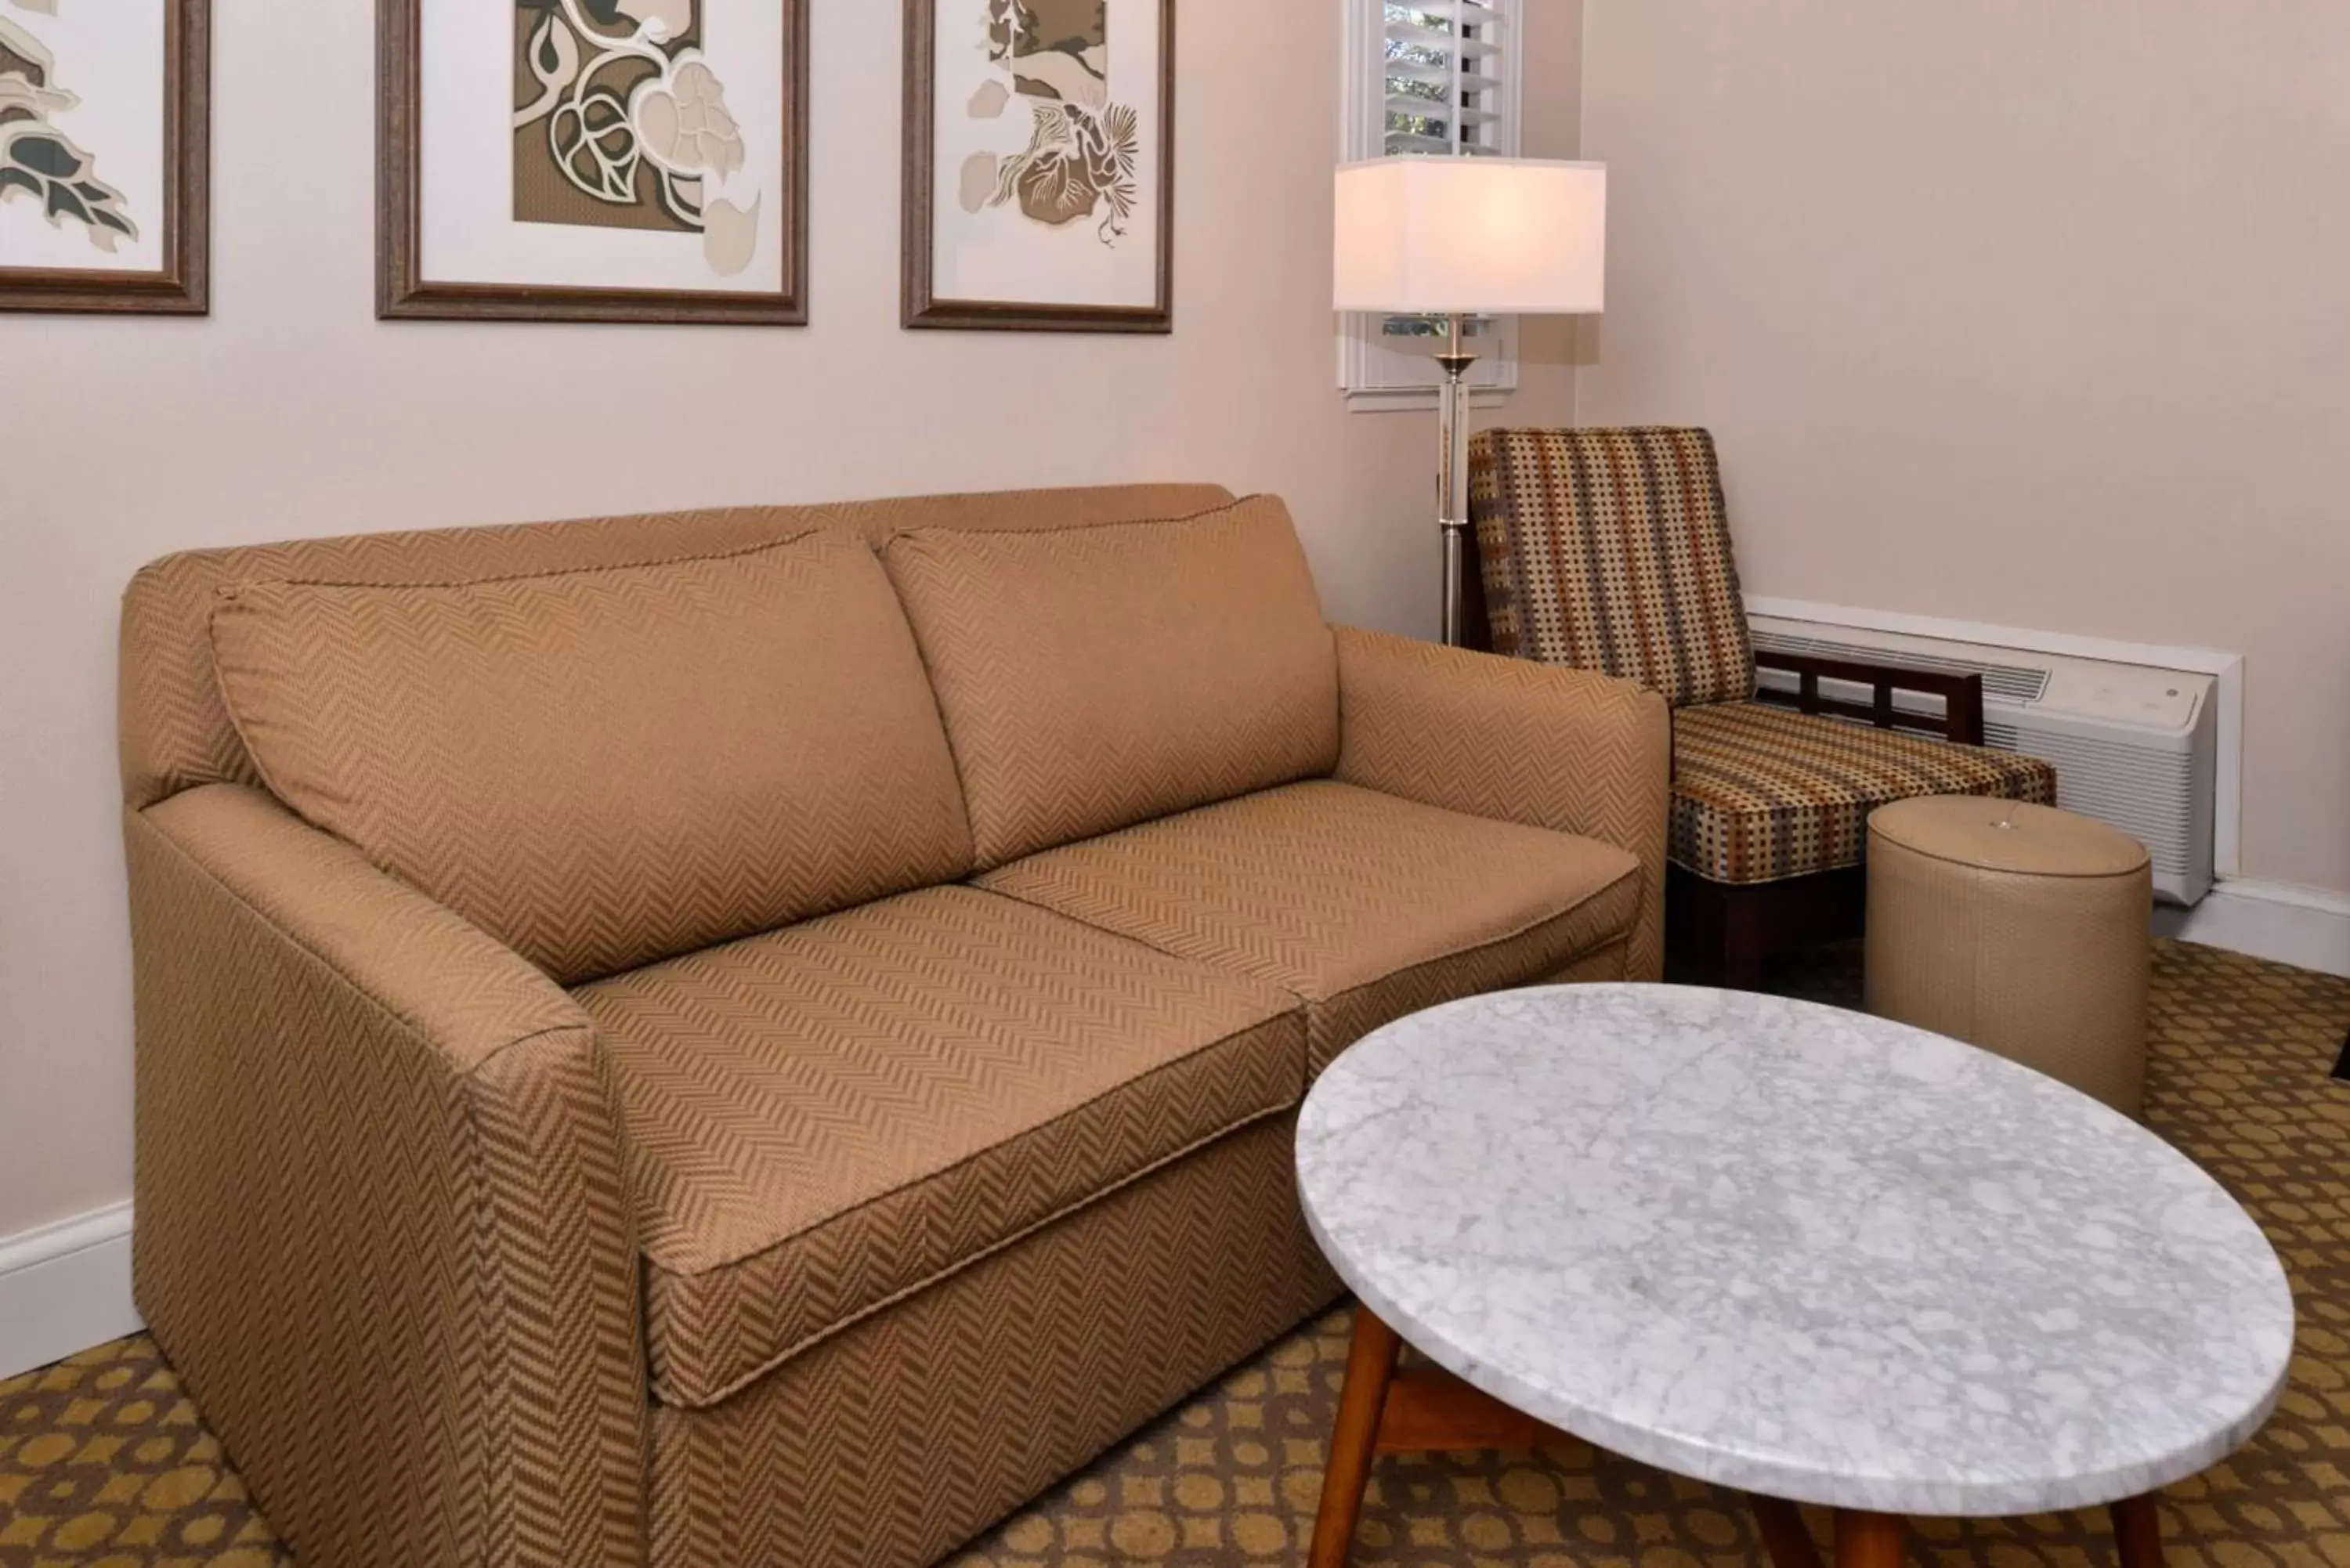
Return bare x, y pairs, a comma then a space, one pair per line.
1467, 236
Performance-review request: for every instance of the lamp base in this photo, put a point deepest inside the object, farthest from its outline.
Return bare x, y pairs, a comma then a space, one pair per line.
1452, 475
1456, 564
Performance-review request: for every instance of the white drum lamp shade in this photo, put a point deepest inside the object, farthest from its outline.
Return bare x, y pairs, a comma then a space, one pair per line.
1486, 236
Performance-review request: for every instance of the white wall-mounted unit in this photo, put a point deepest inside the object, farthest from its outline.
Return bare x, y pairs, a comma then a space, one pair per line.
2135, 745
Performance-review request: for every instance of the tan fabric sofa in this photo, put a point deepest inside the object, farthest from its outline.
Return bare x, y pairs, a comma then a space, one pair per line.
768, 1036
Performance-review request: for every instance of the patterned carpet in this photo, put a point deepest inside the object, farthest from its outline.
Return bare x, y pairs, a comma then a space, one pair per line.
103, 1461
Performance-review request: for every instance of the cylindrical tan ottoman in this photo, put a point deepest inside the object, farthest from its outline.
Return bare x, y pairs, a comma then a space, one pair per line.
2020, 929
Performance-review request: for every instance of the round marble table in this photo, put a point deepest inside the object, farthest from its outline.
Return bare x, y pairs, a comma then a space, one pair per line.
1800, 1252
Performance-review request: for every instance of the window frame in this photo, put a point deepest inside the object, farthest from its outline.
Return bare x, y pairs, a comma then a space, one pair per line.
1371, 374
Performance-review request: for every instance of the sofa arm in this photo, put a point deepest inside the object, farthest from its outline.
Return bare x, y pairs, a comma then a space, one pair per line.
381, 1223
1502, 738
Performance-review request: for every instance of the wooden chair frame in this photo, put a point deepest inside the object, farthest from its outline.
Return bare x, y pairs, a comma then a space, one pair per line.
1722, 933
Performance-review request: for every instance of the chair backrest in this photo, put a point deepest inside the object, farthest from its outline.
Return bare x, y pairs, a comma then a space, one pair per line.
1609, 550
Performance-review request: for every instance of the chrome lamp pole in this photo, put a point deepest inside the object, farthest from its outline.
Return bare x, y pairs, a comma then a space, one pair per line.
1452, 474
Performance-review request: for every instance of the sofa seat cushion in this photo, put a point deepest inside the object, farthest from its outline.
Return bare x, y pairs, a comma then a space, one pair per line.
825, 1119
1365, 906
1762, 793
613, 765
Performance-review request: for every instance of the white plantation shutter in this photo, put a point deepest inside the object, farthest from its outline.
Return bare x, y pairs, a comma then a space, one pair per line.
1436, 78
1444, 88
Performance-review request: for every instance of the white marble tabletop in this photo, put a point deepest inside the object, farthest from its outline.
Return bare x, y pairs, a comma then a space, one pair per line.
1795, 1250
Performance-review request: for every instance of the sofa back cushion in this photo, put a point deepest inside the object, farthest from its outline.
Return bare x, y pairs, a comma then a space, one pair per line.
1096, 677
175, 734
609, 766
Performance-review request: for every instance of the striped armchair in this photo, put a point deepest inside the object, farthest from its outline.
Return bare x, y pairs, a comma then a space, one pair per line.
1609, 550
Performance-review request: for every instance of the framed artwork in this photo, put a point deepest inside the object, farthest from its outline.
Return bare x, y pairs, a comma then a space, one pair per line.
105, 135
593, 161
1040, 164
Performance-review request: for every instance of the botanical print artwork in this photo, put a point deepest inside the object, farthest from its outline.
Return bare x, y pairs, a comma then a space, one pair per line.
1039, 167
621, 123
105, 156
1080, 160
40, 163
593, 161
1056, 49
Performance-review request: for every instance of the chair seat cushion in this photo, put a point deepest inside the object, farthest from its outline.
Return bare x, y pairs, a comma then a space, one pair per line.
1365, 906
825, 1119
1763, 793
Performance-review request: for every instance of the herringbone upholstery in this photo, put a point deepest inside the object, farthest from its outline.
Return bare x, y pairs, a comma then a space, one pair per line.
1608, 550
825, 1119
391, 1178
1096, 677
175, 734
105, 1459
1515, 741
894, 1441
606, 767
1365, 906
1760, 792
382, 1231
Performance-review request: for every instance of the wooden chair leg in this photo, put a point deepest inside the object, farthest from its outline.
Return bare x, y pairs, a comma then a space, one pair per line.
1865, 1540
2137, 1531
1743, 942
1697, 930
1354, 1438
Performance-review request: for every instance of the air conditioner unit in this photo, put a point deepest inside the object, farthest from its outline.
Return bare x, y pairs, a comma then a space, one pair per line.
2133, 746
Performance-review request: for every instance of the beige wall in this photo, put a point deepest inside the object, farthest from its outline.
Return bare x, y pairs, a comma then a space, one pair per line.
2023, 313
292, 412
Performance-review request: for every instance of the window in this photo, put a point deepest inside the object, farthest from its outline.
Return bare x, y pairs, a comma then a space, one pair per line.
1436, 78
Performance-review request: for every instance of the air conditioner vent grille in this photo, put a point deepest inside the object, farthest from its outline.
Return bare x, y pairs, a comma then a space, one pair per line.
2135, 738
2148, 794
2015, 683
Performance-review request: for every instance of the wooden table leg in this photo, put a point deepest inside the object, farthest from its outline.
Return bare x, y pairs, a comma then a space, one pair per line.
1865, 1539
1354, 1438
2137, 1531
1784, 1536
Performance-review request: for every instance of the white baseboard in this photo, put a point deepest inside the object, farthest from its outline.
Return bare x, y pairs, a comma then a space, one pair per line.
2307, 927
64, 1287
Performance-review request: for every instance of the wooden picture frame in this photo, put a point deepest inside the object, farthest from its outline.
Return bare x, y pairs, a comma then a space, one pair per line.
181, 283
924, 302
404, 293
